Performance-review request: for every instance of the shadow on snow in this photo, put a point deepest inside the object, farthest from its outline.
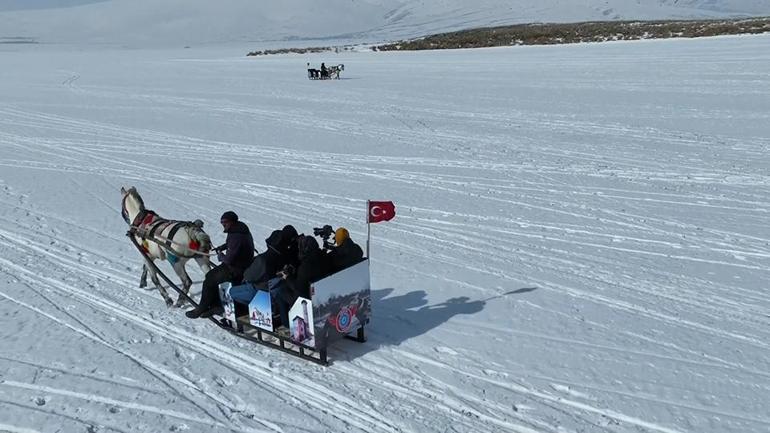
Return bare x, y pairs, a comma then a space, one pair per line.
396, 319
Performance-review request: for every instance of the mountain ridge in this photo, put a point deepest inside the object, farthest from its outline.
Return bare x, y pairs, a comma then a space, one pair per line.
174, 22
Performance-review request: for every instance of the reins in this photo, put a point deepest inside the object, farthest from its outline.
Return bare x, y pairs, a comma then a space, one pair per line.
148, 234
145, 229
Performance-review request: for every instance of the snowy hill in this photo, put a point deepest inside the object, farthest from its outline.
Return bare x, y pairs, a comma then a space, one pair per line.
174, 22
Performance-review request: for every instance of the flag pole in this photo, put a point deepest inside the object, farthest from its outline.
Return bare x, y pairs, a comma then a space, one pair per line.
368, 229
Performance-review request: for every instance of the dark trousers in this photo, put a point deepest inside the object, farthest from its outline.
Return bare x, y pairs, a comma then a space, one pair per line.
283, 311
210, 294
279, 293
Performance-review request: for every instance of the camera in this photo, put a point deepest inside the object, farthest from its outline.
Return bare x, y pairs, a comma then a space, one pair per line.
325, 233
286, 272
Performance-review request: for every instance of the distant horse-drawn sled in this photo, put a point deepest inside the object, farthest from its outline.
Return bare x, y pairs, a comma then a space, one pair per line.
324, 72
258, 305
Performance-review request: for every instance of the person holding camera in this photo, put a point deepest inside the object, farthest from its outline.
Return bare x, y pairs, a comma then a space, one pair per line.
313, 266
345, 253
235, 256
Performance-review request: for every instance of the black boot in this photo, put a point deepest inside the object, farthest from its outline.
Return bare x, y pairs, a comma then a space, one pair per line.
196, 312
213, 311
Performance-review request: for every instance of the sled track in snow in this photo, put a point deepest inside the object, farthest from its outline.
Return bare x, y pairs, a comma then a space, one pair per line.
578, 210
253, 369
284, 197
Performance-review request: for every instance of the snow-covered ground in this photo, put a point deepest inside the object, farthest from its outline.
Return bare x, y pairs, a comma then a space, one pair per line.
582, 240
176, 23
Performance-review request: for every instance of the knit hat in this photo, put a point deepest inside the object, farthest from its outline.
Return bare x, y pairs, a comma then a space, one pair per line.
274, 240
229, 216
341, 235
289, 233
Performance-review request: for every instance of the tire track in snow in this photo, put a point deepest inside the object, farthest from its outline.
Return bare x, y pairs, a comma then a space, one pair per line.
124, 404
646, 252
15, 429
143, 362
222, 354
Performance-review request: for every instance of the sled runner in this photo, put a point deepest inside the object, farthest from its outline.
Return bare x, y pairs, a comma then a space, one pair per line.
339, 307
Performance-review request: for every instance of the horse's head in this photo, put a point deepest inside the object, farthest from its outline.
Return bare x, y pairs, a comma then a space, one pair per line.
133, 204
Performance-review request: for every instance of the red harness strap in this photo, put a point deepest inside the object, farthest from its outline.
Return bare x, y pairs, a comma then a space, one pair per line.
149, 218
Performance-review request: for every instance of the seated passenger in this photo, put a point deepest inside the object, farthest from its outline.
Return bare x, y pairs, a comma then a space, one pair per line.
346, 253
313, 266
239, 253
289, 237
281, 251
324, 71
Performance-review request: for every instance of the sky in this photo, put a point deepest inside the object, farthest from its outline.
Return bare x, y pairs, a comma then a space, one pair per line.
6, 5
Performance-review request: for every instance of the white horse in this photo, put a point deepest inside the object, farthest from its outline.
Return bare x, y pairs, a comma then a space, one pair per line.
334, 71
175, 241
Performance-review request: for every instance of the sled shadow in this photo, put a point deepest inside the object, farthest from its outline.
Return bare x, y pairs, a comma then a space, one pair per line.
396, 319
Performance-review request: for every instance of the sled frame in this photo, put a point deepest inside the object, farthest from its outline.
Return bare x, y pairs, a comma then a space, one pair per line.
243, 329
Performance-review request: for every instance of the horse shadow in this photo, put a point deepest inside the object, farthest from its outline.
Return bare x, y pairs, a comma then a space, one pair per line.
396, 319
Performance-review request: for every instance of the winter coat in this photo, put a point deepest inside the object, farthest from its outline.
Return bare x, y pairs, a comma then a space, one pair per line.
288, 245
345, 255
267, 264
240, 248
314, 266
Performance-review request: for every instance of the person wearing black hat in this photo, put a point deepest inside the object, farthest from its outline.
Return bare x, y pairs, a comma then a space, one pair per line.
235, 256
313, 266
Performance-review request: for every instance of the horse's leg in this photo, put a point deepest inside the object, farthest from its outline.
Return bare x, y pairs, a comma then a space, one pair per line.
186, 281
204, 262
161, 289
143, 278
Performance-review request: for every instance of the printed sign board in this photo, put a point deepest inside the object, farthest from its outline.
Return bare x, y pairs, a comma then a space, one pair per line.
341, 303
301, 322
227, 302
261, 311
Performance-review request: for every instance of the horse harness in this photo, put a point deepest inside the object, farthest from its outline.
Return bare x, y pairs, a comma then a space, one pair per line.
147, 223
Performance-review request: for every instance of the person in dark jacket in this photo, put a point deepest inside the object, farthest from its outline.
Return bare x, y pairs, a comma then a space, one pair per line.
235, 256
346, 253
281, 251
266, 264
289, 237
313, 266
324, 71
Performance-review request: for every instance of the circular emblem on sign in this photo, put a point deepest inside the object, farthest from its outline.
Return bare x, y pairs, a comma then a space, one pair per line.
344, 320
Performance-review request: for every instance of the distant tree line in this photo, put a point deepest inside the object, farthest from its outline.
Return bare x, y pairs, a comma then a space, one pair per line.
300, 50
599, 31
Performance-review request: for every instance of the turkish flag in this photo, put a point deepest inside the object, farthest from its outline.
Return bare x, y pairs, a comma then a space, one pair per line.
381, 211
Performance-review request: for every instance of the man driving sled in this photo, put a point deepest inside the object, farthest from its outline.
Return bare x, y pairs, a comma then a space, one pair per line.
237, 256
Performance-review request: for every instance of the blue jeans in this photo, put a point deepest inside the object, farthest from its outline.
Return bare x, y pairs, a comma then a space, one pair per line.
244, 293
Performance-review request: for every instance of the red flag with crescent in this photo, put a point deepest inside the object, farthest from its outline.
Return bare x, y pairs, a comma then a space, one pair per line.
381, 211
